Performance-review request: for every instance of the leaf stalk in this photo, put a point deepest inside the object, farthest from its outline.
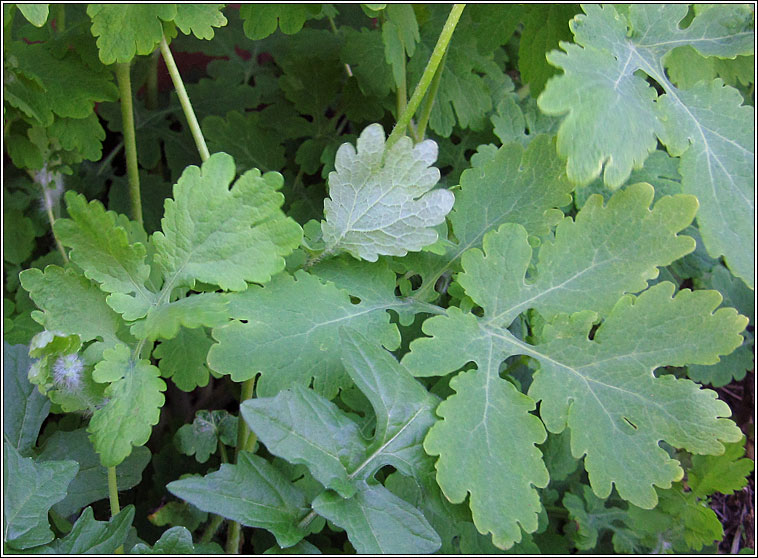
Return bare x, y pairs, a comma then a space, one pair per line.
184, 100
426, 78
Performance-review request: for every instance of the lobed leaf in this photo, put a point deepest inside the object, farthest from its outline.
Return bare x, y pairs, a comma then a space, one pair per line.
706, 125
222, 236
379, 199
133, 407
89, 536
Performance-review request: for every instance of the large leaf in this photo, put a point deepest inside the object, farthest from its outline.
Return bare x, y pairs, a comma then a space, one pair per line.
24, 406
301, 347
380, 200
252, 492
89, 536
29, 490
222, 236
303, 427
133, 407
91, 481
603, 389
707, 125
378, 522
510, 185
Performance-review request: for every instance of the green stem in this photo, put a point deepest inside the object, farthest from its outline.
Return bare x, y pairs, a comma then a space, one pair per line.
426, 110
130, 139
181, 92
216, 521
245, 442
233, 539
222, 452
348, 69
51, 218
60, 17
426, 78
402, 92
113, 496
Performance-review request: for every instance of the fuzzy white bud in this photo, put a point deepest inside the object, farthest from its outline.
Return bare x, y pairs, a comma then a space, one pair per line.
67, 372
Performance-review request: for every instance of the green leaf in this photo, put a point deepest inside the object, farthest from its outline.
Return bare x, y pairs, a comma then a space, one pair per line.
591, 516
176, 540
241, 236
36, 14
82, 310
305, 345
82, 135
364, 52
380, 200
302, 427
303, 547
399, 35
544, 26
251, 492
103, 249
723, 473
91, 481
199, 19
89, 536
706, 125
378, 522
182, 358
513, 185
178, 514
243, 137
18, 236
43, 85
29, 490
484, 426
125, 30
599, 388
262, 20
25, 407
202, 436
166, 320
133, 408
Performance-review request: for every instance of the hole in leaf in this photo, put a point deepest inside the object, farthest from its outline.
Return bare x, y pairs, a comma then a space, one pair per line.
630, 423
355, 299
594, 328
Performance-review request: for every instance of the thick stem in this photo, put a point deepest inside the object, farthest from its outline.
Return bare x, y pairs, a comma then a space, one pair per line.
130, 139
113, 496
233, 539
181, 92
426, 78
426, 110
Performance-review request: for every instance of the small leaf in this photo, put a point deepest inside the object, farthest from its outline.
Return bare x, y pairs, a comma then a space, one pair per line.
176, 540
262, 20
199, 19
134, 404
182, 358
202, 436
380, 201
724, 473
252, 492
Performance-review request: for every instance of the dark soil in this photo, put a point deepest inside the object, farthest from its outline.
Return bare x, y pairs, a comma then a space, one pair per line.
737, 511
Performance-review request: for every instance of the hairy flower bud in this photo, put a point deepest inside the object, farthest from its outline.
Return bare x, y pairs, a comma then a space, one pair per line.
67, 372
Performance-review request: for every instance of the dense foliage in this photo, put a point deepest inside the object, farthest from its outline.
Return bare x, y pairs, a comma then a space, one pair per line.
374, 278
